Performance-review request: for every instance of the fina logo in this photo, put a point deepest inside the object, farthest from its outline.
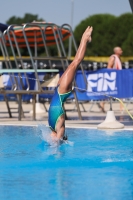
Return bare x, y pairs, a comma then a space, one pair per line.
102, 81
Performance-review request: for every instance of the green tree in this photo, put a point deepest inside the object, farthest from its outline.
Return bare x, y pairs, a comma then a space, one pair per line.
127, 45
109, 31
123, 34
102, 33
28, 18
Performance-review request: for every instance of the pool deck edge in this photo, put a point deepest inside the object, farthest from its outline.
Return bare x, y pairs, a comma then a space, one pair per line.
35, 124
91, 117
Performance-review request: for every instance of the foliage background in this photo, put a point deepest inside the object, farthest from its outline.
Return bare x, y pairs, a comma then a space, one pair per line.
109, 31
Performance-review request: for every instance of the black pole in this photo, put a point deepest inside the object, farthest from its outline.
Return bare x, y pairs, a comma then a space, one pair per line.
131, 4
110, 104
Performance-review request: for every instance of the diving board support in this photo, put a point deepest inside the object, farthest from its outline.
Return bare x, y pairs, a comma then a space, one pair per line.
34, 108
110, 122
19, 107
38, 109
77, 104
26, 70
7, 104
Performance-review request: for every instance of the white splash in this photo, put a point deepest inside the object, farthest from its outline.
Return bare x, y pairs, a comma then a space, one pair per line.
44, 134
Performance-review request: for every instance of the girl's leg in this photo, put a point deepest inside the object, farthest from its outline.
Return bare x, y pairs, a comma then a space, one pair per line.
66, 80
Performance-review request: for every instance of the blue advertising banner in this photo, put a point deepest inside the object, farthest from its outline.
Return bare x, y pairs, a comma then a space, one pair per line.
116, 83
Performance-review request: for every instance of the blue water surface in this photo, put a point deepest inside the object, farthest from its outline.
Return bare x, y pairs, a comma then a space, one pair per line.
98, 166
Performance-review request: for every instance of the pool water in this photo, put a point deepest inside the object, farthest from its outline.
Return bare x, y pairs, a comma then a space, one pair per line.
97, 166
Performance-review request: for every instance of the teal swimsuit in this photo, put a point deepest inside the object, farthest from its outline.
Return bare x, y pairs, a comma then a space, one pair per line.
56, 108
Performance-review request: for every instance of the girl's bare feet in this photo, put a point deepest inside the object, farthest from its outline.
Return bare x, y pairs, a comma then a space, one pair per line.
87, 33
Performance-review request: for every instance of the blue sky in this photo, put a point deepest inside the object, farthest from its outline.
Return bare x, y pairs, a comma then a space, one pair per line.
62, 11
